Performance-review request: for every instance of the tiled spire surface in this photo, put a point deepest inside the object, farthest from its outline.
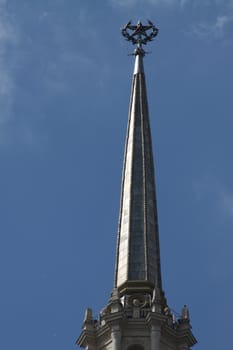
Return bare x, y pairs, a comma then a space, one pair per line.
137, 315
138, 257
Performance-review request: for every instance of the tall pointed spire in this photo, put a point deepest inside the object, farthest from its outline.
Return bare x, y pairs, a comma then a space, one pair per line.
138, 257
137, 315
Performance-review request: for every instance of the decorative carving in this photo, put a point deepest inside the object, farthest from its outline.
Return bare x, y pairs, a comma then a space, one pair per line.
115, 302
185, 313
157, 301
89, 323
137, 305
139, 35
139, 300
88, 315
106, 310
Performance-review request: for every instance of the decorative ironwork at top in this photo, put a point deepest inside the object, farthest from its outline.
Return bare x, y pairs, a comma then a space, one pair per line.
139, 35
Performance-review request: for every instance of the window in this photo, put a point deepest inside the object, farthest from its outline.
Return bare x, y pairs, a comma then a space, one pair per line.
135, 347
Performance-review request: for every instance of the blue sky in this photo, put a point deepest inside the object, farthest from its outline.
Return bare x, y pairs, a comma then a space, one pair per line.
64, 93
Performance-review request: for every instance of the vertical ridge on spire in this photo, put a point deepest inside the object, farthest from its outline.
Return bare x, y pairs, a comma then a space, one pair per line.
138, 254
138, 65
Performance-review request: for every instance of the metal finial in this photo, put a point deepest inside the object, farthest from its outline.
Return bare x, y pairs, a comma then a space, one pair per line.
139, 35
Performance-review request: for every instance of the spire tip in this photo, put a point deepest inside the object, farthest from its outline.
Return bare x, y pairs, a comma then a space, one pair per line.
139, 35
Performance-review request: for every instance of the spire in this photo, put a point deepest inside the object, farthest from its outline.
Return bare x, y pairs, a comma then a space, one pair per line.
137, 315
138, 256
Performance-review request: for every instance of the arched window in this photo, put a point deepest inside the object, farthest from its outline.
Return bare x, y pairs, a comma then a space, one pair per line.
135, 347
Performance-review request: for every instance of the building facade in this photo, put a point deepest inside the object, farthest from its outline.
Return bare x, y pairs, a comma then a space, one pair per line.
137, 316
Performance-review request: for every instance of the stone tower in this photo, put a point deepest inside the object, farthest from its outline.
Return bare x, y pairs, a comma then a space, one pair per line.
137, 316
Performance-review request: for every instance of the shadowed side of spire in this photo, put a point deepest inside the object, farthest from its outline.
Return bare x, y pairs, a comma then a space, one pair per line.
138, 257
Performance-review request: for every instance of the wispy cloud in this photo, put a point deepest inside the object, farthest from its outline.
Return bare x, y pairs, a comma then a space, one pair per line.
14, 128
61, 71
216, 23
179, 3
131, 3
7, 37
216, 29
205, 28
216, 201
58, 49
218, 196
226, 201
207, 2
74, 48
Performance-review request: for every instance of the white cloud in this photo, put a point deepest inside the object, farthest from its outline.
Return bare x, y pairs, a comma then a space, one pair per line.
215, 30
179, 3
60, 71
225, 6
72, 62
222, 21
7, 37
215, 200
205, 29
218, 196
131, 3
12, 130
226, 202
